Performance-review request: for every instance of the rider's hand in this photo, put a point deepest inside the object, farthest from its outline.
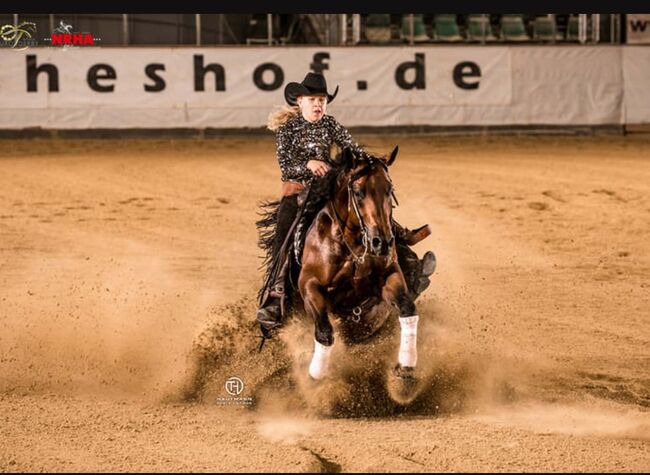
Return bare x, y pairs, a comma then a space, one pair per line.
318, 167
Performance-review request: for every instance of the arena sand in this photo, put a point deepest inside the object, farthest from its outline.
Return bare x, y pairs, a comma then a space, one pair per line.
129, 272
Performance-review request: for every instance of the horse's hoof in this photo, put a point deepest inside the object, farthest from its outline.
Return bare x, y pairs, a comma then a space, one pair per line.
402, 384
404, 372
314, 382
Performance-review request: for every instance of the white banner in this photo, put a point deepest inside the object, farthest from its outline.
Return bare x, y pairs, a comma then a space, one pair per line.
636, 66
235, 87
79, 88
638, 28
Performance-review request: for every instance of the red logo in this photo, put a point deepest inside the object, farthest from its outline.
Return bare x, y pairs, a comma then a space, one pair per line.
64, 36
75, 39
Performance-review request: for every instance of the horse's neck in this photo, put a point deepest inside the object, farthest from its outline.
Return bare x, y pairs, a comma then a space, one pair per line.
342, 216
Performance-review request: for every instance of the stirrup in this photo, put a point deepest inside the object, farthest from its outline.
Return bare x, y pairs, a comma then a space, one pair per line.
414, 236
277, 291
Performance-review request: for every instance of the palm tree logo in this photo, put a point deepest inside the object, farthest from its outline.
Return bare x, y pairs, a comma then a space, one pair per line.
15, 33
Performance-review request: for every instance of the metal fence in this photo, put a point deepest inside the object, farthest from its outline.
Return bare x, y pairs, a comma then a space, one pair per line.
329, 29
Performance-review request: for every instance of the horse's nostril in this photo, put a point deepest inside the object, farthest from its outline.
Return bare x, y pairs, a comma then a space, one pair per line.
376, 242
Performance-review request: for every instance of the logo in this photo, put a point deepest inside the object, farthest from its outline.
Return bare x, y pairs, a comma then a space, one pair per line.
64, 35
63, 28
18, 36
234, 386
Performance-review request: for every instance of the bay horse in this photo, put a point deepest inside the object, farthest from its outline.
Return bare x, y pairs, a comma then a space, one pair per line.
349, 264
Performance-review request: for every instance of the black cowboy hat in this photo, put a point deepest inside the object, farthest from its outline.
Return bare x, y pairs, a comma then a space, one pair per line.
314, 84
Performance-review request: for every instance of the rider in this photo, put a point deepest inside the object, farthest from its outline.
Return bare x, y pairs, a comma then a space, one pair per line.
304, 136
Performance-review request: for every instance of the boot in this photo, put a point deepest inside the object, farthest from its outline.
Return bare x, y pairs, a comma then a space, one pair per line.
416, 271
411, 236
269, 315
271, 310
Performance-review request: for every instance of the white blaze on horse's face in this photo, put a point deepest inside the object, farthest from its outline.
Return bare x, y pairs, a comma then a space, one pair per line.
313, 108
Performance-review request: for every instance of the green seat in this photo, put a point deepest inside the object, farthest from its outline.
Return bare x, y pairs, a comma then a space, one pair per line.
545, 29
419, 30
479, 28
377, 28
513, 28
445, 28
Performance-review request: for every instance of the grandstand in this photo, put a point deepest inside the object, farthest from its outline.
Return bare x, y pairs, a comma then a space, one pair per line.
334, 29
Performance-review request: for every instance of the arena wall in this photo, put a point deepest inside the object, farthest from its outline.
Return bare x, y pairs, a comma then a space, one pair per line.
234, 88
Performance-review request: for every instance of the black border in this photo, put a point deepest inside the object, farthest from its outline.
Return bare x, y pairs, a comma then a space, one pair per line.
337, 6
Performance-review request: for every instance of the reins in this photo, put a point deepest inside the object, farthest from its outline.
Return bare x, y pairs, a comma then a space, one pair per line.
354, 204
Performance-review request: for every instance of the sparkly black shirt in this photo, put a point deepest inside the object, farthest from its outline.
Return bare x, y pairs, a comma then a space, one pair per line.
299, 141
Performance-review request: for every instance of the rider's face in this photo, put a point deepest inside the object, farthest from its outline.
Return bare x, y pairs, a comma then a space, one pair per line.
313, 108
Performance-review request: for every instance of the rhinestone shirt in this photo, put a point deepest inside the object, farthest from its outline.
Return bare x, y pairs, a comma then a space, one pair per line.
299, 141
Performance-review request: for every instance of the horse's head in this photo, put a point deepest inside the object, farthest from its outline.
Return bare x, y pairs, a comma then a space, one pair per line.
366, 190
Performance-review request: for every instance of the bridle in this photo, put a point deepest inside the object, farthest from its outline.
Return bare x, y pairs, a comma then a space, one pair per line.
354, 204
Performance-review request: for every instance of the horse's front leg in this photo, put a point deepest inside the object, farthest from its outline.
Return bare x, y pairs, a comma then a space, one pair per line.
396, 293
316, 307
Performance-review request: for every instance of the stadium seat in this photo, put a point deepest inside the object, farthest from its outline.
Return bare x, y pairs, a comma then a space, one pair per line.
513, 28
545, 29
479, 28
377, 28
445, 28
419, 30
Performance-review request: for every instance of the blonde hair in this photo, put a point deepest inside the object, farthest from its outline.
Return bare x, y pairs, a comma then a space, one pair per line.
280, 116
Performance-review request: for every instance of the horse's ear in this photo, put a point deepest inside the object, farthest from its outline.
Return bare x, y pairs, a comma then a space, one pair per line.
393, 155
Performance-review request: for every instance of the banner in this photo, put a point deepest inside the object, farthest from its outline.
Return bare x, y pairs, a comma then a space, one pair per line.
637, 28
636, 67
233, 87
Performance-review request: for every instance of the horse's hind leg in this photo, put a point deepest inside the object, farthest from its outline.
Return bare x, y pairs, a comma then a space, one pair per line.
316, 307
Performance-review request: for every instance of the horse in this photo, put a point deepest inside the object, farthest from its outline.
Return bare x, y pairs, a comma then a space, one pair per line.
349, 266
